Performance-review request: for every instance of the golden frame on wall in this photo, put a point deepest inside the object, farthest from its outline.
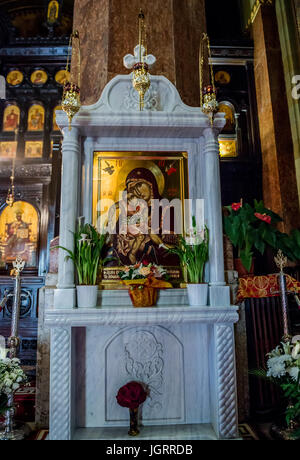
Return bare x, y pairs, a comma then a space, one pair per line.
19, 234
33, 149
11, 117
36, 118
222, 77
163, 175
8, 149
15, 77
62, 76
54, 124
39, 77
53, 11
229, 110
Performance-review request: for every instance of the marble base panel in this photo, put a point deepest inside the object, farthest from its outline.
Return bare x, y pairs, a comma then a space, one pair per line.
165, 358
185, 355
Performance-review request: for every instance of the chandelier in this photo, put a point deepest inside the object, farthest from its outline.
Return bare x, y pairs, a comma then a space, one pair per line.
71, 91
141, 76
208, 94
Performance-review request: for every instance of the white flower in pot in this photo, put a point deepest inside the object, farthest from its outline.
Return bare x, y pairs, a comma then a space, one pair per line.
87, 258
192, 251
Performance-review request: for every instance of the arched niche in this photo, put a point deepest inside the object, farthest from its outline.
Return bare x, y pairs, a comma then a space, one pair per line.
19, 234
229, 110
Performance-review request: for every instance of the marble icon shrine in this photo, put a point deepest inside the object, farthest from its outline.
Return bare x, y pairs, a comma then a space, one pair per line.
184, 354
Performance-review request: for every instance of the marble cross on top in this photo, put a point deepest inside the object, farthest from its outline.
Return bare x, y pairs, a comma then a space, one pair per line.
130, 60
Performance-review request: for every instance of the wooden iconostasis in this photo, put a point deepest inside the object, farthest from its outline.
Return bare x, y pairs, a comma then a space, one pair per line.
33, 57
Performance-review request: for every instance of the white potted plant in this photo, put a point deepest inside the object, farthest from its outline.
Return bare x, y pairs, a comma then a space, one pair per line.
87, 258
192, 251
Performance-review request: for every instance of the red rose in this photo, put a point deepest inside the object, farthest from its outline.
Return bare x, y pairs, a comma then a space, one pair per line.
131, 395
263, 217
145, 262
236, 206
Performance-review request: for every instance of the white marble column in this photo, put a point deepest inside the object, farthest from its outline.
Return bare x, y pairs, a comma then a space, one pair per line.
219, 292
61, 414
64, 296
222, 372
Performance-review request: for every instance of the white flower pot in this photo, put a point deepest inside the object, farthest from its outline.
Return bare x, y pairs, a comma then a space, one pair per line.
87, 296
197, 294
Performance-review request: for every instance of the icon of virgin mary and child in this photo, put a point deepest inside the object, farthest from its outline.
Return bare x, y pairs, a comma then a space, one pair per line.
130, 222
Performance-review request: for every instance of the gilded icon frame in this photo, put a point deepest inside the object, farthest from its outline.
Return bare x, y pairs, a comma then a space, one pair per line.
131, 160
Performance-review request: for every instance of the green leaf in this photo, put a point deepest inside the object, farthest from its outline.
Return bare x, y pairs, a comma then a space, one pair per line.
246, 258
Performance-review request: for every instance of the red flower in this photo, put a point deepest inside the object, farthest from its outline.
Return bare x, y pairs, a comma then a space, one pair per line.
171, 171
263, 217
131, 395
236, 206
145, 262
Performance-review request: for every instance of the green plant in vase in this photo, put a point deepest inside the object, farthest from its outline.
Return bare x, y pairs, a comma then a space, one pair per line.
192, 250
255, 227
88, 260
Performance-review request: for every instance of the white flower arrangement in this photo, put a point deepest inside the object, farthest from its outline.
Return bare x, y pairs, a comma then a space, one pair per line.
284, 361
12, 377
283, 369
142, 270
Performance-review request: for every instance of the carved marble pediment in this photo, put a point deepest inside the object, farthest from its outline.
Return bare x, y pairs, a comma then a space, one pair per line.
119, 96
119, 106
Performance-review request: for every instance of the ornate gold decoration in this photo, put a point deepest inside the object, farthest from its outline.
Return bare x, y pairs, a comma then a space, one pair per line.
208, 94
141, 76
10, 199
18, 265
281, 261
71, 93
255, 10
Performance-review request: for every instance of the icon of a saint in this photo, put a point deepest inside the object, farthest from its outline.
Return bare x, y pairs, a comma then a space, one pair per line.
11, 120
14, 78
132, 239
36, 120
17, 235
53, 9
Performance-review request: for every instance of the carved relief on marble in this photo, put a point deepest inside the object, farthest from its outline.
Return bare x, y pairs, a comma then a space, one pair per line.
144, 363
131, 99
152, 356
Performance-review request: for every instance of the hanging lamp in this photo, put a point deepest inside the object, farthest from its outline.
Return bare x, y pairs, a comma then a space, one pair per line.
71, 92
141, 76
208, 94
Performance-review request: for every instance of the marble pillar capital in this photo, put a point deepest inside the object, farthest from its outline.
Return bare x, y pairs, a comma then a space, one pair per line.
71, 135
211, 134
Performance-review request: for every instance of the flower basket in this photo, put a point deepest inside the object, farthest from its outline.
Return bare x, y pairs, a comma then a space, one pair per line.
143, 296
141, 293
143, 288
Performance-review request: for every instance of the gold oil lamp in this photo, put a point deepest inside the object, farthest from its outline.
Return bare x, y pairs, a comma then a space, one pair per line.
208, 94
71, 93
141, 76
10, 198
